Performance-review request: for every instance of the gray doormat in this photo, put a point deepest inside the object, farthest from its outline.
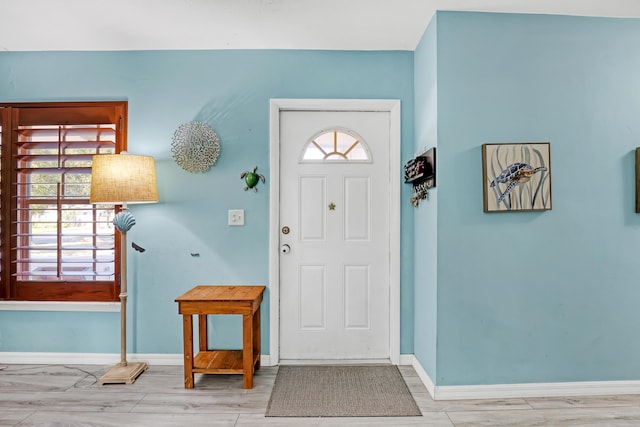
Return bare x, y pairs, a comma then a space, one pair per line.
341, 391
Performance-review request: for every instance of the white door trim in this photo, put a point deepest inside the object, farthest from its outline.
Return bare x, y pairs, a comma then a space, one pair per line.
389, 105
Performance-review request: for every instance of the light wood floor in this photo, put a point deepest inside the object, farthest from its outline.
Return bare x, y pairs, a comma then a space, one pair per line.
56, 395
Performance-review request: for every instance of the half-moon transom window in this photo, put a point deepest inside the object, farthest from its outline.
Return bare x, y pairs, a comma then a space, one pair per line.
336, 145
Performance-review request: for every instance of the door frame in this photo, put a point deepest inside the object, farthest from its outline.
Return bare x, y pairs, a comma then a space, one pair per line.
392, 106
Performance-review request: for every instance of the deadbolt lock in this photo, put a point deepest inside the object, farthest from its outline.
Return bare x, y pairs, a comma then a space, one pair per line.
285, 230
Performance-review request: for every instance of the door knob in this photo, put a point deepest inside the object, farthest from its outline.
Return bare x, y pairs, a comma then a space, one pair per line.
285, 249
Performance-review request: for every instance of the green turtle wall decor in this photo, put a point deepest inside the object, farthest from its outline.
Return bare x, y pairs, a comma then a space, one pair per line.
251, 179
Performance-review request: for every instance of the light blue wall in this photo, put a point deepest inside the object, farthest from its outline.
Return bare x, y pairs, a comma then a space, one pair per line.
550, 296
426, 214
230, 90
520, 297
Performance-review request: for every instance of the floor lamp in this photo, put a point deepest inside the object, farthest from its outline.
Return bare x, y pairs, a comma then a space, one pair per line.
120, 179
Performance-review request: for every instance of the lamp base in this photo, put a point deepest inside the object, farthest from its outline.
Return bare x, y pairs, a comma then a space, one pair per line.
123, 374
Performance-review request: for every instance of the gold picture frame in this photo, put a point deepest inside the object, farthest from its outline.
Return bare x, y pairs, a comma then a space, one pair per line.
516, 177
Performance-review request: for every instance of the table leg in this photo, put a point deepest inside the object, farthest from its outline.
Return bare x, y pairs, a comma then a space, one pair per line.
187, 331
247, 350
202, 332
256, 337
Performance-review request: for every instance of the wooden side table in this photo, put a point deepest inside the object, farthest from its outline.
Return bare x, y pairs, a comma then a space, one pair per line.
204, 300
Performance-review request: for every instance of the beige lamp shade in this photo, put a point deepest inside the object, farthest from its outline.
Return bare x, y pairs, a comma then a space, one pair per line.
123, 178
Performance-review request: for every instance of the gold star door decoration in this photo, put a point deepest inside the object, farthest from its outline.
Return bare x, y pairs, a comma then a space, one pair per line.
332, 206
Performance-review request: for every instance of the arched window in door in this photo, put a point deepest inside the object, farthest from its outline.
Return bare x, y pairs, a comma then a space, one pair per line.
337, 145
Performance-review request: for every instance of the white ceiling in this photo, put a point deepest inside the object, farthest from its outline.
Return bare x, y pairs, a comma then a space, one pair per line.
29, 25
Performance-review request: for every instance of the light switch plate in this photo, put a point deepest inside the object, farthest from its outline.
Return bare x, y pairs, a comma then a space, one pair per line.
236, 216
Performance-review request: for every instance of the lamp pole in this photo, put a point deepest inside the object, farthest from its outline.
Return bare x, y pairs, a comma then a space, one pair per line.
124, 372
123, 298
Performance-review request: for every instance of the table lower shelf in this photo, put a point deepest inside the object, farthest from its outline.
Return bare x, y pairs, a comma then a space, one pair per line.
221, 362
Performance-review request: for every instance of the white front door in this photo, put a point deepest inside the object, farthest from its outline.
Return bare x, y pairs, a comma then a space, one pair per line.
334, 219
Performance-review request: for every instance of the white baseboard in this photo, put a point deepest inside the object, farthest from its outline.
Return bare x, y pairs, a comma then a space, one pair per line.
507, 391
410, 359
513, 391
19, 358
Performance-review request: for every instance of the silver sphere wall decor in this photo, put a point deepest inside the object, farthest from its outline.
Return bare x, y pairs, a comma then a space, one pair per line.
195, 147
